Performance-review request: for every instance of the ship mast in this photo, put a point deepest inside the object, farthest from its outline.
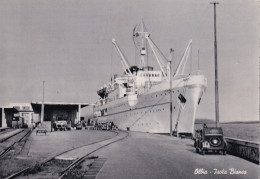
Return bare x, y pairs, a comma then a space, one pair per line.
216, 67
141, 33
143, 49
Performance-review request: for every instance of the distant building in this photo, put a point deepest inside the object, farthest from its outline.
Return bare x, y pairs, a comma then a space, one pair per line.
59, 111
25, 111
6, 115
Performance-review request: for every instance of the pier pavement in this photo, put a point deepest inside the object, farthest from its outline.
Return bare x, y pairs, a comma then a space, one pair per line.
40, 147
144, 155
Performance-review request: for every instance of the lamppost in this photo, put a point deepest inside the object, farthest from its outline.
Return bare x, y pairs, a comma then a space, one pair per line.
42, 111
170, 61
216, 65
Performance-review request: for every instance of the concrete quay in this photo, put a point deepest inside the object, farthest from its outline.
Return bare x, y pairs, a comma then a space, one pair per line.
244, 149
89, 149
144, 155
140, 155
41, 147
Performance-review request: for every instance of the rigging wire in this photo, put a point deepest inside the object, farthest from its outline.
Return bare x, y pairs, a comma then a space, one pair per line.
191, 59
179, 112
111, 63
135, 56
160, 52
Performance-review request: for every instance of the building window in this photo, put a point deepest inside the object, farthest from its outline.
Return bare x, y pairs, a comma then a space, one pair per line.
26, 107
25, 114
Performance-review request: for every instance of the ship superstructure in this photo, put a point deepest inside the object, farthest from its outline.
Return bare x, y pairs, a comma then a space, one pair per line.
139, 99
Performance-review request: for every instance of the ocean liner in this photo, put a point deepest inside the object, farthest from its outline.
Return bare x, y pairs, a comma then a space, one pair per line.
139, 100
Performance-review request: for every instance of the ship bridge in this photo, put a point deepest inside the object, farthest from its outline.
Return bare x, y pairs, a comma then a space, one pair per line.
143, 77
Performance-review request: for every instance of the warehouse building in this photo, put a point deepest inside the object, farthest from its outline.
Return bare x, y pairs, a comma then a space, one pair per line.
6, 116
58, 111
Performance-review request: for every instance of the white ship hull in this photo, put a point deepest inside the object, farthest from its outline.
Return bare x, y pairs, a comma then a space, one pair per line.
152, 111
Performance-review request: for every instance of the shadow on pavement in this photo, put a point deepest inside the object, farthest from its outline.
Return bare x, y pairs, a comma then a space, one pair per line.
192, 150
190, 145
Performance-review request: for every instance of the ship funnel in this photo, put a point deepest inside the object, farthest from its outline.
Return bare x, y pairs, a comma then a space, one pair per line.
132, 99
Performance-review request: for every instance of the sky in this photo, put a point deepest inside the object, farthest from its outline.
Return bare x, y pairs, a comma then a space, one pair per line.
67, 44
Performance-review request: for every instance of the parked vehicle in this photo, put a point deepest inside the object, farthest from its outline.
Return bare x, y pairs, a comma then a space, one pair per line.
79, 125
114, 127
17, 122
210, 139
60, 125
103, 126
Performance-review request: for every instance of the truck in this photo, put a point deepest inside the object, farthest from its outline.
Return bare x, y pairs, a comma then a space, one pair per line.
17, 122
62, 125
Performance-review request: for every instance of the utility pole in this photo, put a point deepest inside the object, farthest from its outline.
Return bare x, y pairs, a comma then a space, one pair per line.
170, 61
216, 67
42, 111
198, 59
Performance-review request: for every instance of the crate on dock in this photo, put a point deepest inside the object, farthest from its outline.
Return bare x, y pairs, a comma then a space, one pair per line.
41, 129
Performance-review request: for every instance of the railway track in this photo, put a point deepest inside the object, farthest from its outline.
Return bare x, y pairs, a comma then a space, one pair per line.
10, 136
6, 131
70, 164
11, 146
81, 159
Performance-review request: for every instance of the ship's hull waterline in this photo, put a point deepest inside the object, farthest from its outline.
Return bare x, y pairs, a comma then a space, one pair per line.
152, 111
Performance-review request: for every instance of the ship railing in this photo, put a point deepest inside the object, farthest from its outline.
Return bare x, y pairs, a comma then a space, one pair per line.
180, 76
196, 72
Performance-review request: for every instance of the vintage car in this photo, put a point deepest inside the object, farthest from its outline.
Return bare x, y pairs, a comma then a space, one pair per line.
103, 126
210, 139
61, 125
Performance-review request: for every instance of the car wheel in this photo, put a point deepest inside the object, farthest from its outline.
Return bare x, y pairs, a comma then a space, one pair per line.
224, 152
